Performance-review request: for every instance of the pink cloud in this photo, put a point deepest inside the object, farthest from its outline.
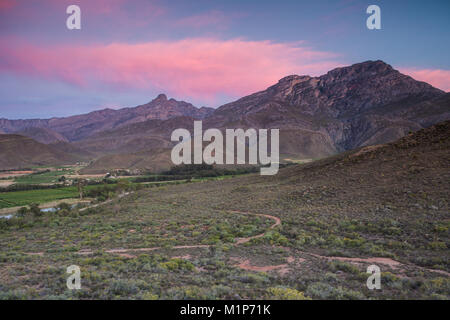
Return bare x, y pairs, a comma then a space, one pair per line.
7, 4
436, 77
199, 68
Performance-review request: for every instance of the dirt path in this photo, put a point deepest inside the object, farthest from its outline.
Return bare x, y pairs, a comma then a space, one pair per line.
282, 269
105, 202
238, 241
124, 252
248, 239
393, 264
385, 261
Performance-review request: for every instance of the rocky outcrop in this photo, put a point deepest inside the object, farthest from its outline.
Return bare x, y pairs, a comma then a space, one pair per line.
363, 104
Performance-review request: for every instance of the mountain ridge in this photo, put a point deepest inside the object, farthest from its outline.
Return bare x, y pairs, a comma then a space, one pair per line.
349, 107
78, 127
340, 104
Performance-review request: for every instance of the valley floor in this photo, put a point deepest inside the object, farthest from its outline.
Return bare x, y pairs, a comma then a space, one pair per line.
309, 232
192, 241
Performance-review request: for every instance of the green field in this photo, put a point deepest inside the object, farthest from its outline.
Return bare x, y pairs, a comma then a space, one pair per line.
44, 177
23, 198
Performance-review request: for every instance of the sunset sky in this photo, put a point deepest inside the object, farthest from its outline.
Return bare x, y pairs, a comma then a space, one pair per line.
202, 51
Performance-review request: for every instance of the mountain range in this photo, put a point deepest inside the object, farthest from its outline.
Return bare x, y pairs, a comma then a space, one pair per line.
364, 104
79, 127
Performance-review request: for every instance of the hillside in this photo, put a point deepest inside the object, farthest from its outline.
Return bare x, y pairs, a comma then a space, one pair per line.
154, 160
134, 137
72, 150
347, 107
363, 104
42, 135
81, 126
310, 231
23, 152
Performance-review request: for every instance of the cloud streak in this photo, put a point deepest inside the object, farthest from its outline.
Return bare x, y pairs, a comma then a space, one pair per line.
438, 78
198, 68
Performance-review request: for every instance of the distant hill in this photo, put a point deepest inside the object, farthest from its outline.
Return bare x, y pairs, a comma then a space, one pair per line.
42, 135
82, 126
155, 160
72, 150
150, 134
23, 152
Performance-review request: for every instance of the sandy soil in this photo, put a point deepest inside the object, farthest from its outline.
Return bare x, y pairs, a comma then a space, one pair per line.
6, 183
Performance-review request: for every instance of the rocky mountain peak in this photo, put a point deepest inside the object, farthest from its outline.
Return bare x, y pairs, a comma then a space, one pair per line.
160, 98
293, 78
362, 104
377, 67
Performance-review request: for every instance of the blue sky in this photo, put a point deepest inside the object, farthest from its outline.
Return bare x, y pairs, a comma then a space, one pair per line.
205, 52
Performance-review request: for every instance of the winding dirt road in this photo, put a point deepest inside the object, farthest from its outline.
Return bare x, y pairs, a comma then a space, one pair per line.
238, 241
393, 264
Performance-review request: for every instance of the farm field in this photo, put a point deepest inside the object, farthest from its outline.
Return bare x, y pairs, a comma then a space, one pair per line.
46, 175
40, 178
12, 199
24, 198
27, 197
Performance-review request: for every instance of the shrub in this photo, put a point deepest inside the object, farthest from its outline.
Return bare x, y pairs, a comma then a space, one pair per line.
35, 210
437, 245
187, 293
22, 212
286, 294
324, 291
122, 288
343, 266
258, 278
150, 296
177, 264
64, 206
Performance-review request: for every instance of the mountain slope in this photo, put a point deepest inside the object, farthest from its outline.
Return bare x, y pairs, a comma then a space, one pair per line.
363, 104
135, 137
42, 135
154, 160
23, 152
344, 106
81, 126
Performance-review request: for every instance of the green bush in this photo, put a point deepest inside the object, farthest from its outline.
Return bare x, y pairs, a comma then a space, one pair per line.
177, 264
322, 290
123, 288
343, 266
286, 294
35, 210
